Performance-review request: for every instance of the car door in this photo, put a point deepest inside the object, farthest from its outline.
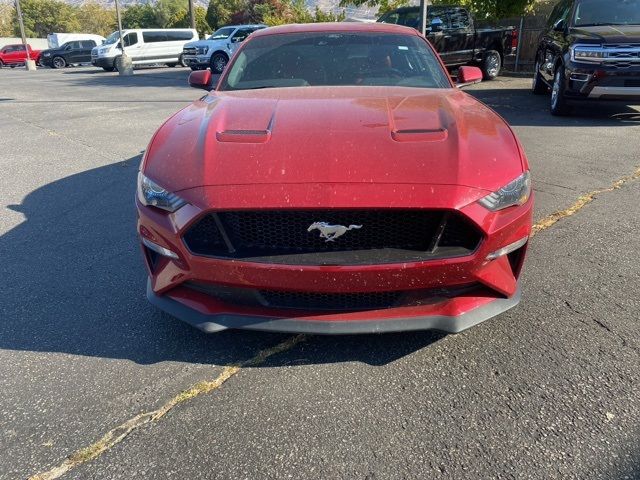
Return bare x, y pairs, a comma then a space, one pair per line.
460, 36
85, 51
16, 54
132, 46
72, 52
553, 39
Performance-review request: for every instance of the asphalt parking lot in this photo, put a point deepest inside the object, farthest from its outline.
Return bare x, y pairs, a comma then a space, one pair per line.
92, 377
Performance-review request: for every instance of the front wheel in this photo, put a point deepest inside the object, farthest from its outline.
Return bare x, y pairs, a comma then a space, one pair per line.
559, 106
1, 64
218, 62
109, 69
58, 62
538, 87
491, 64
181, 61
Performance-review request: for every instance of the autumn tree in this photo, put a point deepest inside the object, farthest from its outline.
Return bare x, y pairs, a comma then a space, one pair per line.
94, 18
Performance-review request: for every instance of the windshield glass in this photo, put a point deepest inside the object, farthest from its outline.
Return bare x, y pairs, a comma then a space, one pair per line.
335, 59
113, 38
221, 33
606, 12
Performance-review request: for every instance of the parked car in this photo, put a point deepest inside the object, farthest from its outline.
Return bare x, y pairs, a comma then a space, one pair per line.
215, 51
144, 46
74, 52
14, 55
590, 50
56, 40
335, 181
454, 35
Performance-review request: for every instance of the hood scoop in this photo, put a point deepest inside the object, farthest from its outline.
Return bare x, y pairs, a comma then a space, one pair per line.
420, 135
244, 136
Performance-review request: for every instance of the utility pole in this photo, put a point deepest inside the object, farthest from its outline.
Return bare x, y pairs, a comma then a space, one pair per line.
29, 64
423, 17
125, 67
192, 14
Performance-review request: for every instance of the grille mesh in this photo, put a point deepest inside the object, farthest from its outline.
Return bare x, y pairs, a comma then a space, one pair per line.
281, 233
330, 301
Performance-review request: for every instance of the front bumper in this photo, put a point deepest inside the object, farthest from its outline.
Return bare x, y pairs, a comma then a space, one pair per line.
496, 287
210, 320
602, 82
196, 60
103, 62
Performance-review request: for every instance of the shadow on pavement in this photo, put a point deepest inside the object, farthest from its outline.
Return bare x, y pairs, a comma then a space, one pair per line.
73, 281
148, 77
521, 108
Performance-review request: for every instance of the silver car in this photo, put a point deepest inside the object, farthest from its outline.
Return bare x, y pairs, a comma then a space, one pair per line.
215, 51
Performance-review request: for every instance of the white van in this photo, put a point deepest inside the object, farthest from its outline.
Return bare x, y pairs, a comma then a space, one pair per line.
56, 40
144, 46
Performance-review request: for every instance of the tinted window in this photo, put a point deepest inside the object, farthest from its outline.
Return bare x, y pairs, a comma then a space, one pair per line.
335, 59
72, 45
560, 12
174, 36
241, 34
88, 44
153, 37
130, 39
605, 12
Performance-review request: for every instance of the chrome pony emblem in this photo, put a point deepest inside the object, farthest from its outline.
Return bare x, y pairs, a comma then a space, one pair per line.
331, 232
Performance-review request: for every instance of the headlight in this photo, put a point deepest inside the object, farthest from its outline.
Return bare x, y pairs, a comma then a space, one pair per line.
202, 50
587, 53
152, 194
46, 54
514, 193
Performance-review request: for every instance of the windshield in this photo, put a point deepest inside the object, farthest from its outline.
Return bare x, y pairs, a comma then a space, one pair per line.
113, 38
605, 12
335, 59
222, 33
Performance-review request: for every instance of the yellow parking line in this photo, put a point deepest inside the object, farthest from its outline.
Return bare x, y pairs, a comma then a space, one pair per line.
582, 202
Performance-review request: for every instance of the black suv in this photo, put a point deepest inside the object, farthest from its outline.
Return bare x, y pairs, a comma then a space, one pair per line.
590, 50
78, 51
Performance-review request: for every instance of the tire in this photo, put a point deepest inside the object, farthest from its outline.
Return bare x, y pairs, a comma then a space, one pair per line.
491, 64
58, 62
559, 106
109, 69
171, 65
181, 61
538, 87
218, 62
1, 64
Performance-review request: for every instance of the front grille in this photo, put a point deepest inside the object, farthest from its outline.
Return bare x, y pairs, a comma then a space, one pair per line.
189, 51
316, 301
330, 301
372, 236
633, 83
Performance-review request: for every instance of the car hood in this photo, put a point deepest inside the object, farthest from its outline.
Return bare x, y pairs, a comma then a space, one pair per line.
607, 34
335, 135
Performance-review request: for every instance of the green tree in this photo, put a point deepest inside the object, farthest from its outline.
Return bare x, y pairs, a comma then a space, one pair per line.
93, 18
171, 13
42, 17
202, 26
481, 8
139, 16
219, 12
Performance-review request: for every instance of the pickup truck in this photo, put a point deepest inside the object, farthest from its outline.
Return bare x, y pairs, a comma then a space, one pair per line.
13, 55
452, 32
589, 51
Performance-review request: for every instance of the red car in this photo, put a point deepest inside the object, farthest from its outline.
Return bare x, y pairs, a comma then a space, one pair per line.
334, 181
13, 55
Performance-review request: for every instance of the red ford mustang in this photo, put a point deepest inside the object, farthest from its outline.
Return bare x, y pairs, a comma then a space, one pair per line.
334, 181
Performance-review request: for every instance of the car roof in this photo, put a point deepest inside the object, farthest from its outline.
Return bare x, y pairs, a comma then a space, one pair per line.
346, 27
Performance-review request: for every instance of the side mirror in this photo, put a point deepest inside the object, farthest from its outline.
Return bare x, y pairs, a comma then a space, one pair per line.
560, 26
200, 79
468, 76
